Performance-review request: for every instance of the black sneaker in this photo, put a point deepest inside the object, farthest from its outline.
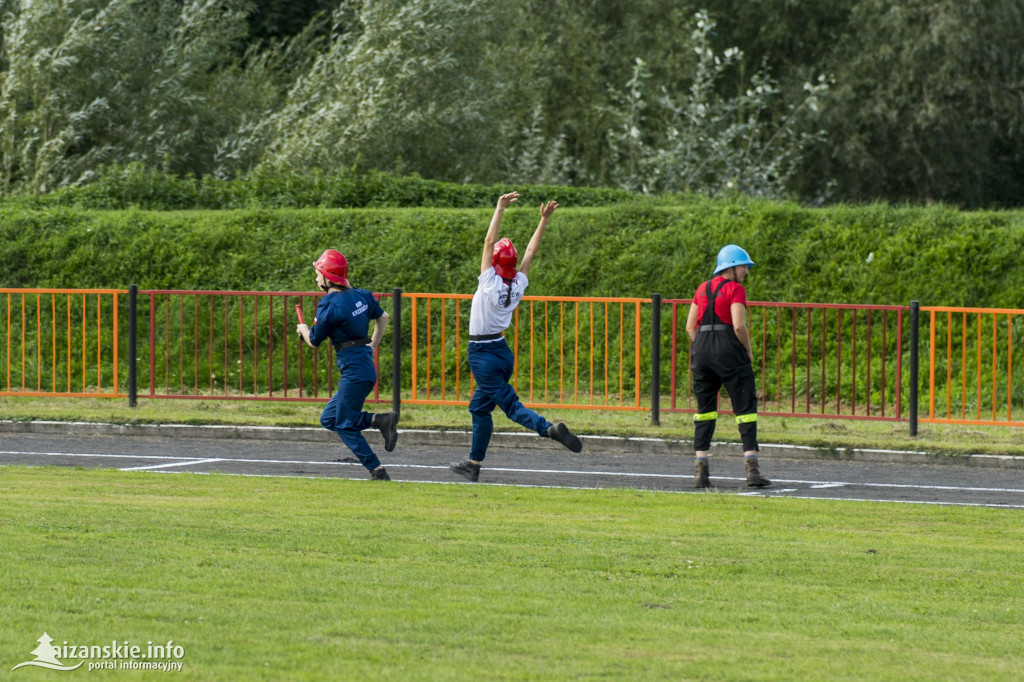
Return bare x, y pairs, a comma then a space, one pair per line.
561, 433
387, 422
380, 474
467, 469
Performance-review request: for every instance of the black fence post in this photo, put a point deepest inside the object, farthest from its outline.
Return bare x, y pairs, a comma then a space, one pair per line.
655, 359
133, 296
915, 310
396, 351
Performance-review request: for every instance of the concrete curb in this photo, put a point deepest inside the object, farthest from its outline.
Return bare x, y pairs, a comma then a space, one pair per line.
507, 440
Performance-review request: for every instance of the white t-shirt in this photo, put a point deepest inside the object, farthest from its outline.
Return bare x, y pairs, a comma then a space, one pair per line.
488, 314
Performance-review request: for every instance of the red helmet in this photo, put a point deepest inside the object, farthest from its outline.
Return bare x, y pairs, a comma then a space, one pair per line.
505, 258
332, 265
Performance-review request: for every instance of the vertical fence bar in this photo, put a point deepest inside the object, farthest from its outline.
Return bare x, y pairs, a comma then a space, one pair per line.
458, 345
133, 294
195, 345
53, 342
426, 379
67, 304
977, 367
396, 351
636, 346
1009, 367
949, 361
915, 309
591, 352
899, 364
270, 346
882, 397
152, 344
415, 350
994, 366
655, 359
674, 352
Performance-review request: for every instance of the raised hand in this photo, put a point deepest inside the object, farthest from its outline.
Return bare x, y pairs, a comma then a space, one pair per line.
505, 199
547, 209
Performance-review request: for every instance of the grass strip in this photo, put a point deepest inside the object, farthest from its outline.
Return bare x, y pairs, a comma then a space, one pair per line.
260, 578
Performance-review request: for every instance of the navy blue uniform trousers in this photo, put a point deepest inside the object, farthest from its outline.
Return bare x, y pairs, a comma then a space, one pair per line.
492, 365
344, 415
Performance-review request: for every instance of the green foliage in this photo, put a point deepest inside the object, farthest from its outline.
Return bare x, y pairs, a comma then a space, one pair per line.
746, 143
134, 185
87, 83
873, 254
927, 103
922, 103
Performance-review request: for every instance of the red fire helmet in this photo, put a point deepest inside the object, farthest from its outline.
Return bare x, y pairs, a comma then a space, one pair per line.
333, 265
505, 258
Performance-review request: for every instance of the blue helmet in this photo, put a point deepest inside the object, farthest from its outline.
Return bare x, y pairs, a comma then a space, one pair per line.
731, 255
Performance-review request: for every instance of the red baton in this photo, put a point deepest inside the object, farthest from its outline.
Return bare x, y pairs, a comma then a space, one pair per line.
298, 313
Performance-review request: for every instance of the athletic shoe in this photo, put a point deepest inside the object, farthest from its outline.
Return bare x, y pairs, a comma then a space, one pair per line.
561, 433
387, 422
380, 475
467, 469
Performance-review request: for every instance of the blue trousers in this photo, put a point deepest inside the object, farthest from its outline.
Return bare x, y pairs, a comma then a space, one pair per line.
492, 365
344, 415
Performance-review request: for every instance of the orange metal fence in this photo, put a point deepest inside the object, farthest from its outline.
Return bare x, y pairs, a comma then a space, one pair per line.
970, 366
234, 345
60, 342
834, 361
571, 352
838, 361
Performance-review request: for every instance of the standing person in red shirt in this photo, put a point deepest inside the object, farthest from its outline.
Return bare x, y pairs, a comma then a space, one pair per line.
720, 354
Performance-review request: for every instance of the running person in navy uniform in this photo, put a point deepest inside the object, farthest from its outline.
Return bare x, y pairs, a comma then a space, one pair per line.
720, 354
343, 316
500, 289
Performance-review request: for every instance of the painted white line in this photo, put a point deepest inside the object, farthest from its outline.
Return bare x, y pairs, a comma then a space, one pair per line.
899, 486
185, 461
937, 503
765, 493
151, 467
89, 455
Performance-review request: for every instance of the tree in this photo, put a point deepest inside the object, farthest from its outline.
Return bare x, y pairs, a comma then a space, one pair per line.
928, 103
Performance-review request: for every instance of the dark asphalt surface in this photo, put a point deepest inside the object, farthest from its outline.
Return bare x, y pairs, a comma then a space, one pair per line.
802, 478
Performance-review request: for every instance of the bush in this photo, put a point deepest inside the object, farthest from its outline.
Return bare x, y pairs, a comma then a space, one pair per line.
123, 187
872, 254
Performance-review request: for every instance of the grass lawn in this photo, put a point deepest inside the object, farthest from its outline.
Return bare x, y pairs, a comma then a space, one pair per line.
273, 579
936, 438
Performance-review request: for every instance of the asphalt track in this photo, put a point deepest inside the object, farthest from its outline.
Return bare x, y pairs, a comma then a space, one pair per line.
515, 460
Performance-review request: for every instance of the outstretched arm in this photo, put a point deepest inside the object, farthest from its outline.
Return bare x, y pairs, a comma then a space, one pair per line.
531, 250
492, 230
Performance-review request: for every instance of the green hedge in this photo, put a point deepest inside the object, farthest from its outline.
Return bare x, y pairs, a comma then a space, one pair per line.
871, 254
135, 186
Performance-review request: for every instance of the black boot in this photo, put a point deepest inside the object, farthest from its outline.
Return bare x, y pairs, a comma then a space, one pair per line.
380, 474
702, 478
466, 469
754, 477
561, 433
387, 422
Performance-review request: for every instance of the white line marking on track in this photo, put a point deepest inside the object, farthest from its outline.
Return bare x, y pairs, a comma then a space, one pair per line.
150, 467
994, 505
178, 460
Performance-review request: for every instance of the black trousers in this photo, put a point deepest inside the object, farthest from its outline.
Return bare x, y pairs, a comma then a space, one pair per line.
717, 358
